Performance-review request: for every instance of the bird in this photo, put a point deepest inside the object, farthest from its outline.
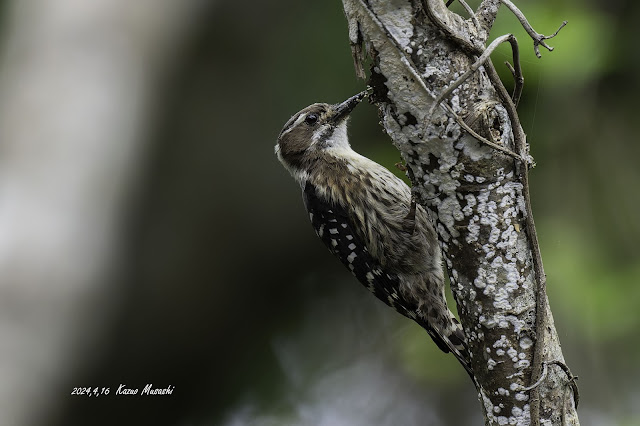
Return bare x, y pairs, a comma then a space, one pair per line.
368, 219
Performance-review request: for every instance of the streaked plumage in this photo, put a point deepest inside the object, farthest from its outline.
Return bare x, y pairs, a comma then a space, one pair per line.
365, 216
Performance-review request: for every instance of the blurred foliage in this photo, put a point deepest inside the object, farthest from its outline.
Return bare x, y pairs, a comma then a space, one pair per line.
578, 115
228, 276
580, 54
419, 356
580, 139
600, 292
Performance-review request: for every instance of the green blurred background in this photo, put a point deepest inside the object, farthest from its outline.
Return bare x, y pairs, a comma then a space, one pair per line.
226, 293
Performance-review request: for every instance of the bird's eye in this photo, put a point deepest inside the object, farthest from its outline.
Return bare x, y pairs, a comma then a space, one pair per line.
311, 119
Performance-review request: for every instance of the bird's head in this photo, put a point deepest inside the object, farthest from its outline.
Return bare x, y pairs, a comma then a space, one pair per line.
310, 133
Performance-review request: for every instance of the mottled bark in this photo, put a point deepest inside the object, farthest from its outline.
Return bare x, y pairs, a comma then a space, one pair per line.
468, 160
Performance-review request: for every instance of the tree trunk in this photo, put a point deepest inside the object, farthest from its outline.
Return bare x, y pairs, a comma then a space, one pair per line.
456, 127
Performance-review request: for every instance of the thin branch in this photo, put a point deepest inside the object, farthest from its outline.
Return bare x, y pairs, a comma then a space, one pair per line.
483, 58
516, 70
538, 39
517, 73
567, 371
473, 68
572, 380
540, 380
411, 67
518, 78
471, 13
480, 138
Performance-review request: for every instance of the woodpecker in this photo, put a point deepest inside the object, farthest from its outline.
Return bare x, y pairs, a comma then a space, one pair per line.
365, 215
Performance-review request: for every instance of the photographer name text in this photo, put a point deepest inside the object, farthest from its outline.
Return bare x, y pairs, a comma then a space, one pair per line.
124, 390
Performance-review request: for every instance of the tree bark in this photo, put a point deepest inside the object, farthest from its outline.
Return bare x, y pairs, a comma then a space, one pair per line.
456, 127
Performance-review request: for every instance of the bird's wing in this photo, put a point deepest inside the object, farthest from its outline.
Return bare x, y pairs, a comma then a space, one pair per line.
337, 231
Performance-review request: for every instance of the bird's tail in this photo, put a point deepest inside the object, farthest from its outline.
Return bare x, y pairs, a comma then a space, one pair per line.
451, 338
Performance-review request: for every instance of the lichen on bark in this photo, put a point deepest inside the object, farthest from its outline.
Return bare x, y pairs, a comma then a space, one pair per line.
476, 194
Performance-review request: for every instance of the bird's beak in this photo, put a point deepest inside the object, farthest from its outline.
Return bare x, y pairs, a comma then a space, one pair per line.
343, 109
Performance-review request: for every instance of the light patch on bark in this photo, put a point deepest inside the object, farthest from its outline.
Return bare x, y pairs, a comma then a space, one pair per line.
474, 192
